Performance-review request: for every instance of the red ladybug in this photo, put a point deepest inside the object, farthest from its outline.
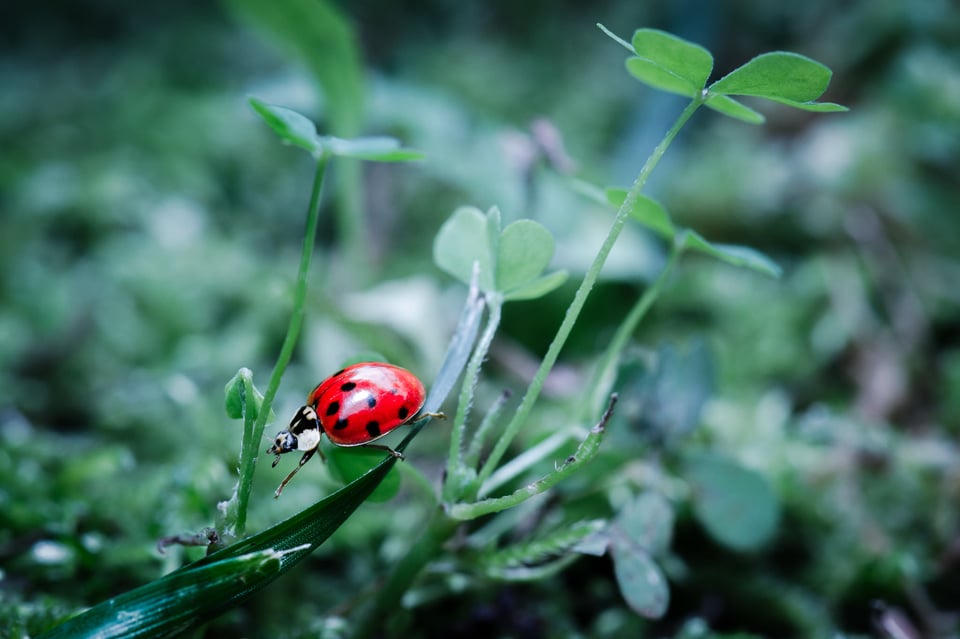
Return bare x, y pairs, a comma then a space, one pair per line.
353, 407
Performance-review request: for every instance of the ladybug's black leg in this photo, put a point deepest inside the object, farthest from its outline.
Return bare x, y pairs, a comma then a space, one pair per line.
396, 454
303, 460
420, 416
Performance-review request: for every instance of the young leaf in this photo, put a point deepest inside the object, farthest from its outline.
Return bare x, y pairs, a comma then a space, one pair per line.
378, 149
669, 63
526, 248
289, 125
641, 582
536, 288
728, 106
648, 522
645, 210
732, 254
461, 241
347, 464
518, 562
781, 76
735, 504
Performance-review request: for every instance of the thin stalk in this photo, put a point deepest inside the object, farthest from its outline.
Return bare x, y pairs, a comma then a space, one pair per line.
603, 376
580, 298
472, 456
585, 452
455, 468
250, 449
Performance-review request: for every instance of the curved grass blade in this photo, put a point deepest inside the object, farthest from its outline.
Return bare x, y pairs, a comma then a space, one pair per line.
199, 592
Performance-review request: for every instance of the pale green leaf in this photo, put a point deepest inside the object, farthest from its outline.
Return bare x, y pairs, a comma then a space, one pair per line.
728, 106
461, 241
534, 289
669, 63
289, 125
742, 256
788, 78
648, 522
526, 248
735, 504
376, 149
641, 581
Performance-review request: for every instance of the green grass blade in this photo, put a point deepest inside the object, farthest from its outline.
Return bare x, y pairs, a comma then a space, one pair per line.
197, 593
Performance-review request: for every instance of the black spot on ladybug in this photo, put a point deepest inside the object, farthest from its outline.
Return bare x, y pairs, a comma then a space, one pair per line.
371, 401
373, 429
340, 425
404, 411
333, 409
394, 391
348, 386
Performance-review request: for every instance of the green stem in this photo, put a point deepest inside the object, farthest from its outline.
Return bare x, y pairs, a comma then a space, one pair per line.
580, 298
585, 452
472, 456
250, 448
605, 373
455, 480
373, 616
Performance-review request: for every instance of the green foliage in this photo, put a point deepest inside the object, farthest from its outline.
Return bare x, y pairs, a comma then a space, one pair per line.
293, 128
510, 261
736, 505
780, 449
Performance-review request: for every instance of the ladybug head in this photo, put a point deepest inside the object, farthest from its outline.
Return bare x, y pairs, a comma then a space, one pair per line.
284, 442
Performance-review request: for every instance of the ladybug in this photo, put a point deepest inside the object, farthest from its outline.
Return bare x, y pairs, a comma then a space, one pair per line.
353, 407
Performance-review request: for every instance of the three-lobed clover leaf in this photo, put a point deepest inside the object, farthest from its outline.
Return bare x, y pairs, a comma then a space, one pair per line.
510, 262
669, 63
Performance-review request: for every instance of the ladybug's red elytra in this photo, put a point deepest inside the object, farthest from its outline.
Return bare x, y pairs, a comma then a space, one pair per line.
352, 407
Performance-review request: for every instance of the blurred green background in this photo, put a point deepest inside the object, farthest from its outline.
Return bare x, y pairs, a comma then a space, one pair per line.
150, 229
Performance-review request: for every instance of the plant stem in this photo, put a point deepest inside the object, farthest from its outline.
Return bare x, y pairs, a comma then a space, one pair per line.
250, 449
580, 298
455, 481
605, 373
373, 616
585, 452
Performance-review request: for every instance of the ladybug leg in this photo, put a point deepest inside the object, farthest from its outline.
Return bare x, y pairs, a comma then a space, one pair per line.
387, 449
420, 416
303, 460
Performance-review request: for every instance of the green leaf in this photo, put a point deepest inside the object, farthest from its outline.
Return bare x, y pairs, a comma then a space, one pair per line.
669, 63
536, 288
348, 464
781, 76
510, 262
730, 107
198, 592
289, 125
641, 582
664, 392
743, 256
648, 522
376, 149
540, 557
735, 504
526, 248
646, 211
461, 241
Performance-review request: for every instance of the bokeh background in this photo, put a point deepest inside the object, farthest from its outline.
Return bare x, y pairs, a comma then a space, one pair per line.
150, 227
